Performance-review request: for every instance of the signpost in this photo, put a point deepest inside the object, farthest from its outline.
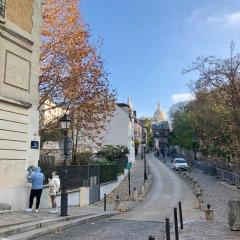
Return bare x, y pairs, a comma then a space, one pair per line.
129, 166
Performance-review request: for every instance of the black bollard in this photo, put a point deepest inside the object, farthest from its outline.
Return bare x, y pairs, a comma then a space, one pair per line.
167, 229
105, 202
176, 224
129, 182
180, 214
151, 237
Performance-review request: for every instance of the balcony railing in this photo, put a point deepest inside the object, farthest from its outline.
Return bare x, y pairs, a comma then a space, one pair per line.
2, 8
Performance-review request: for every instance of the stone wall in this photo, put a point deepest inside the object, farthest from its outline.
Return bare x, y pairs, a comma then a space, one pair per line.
20, 13
19, 98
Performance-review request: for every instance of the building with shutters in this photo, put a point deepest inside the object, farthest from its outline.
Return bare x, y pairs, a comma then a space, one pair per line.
20, 22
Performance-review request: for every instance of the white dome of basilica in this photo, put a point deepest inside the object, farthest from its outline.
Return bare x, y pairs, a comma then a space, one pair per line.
159, 115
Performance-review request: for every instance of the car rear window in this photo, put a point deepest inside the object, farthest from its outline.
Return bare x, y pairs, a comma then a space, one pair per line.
180, 161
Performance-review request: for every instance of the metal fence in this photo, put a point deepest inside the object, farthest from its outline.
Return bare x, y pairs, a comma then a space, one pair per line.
228, 176
108, 173
83, 175
121, 164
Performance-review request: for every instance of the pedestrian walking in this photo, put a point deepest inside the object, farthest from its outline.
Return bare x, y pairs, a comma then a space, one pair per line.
36, 178
54, 186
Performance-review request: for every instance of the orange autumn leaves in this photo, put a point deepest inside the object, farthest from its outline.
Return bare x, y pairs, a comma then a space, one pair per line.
73, 75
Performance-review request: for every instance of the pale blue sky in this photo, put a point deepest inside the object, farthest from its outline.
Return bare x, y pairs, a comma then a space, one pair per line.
147, 43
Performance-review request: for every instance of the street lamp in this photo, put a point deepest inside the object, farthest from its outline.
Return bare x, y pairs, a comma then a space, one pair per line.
65, 124
145, 163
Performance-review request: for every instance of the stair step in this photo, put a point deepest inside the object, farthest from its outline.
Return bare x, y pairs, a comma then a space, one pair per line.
29, 226
35, 233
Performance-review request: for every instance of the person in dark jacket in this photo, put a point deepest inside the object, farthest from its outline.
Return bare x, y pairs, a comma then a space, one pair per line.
37, 179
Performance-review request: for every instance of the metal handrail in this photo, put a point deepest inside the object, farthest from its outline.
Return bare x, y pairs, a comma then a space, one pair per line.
225, 175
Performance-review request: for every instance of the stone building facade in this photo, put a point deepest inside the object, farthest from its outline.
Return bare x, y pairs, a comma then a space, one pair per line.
161, 130
20, 22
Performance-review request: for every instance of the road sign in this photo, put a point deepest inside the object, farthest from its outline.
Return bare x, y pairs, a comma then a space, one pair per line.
34, 144
129, 165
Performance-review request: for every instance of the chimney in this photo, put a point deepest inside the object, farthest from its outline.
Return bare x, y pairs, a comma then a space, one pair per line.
135, 114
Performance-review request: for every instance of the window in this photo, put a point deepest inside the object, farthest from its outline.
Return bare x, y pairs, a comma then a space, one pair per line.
2, 8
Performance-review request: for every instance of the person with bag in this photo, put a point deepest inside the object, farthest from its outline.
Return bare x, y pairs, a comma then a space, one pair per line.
37, 179
54, 186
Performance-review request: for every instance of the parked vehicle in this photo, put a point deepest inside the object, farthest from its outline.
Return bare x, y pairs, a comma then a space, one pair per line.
180, 164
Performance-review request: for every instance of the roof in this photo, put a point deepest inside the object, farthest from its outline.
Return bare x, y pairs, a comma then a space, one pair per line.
122, 105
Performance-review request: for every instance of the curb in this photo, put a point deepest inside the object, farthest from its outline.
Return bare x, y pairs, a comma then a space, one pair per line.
39, 232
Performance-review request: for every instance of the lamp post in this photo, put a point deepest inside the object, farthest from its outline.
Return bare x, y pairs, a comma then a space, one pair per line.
145, 163
65, 124
194, 147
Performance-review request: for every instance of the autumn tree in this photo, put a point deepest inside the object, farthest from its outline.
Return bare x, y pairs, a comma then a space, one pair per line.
73, 76
217, 93
214, 115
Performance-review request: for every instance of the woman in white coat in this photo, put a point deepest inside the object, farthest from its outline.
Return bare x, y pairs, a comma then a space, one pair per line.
54, 186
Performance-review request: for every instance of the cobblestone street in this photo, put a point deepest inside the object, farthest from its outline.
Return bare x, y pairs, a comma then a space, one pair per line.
111, 229
205, 230
217, 193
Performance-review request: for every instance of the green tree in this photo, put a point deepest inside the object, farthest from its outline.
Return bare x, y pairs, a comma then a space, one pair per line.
183, 131
149, 133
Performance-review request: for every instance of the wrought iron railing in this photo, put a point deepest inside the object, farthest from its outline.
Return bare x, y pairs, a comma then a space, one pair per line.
83, 175
226, 175
2, 8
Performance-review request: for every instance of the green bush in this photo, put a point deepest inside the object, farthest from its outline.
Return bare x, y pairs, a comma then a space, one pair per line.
111, 153
82, 158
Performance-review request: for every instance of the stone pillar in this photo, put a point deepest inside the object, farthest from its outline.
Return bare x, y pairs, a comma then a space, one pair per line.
234, 215
142, 190
135, 194
197, 204
117, 204
209, 213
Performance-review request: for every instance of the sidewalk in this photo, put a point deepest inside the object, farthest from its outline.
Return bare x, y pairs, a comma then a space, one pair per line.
216, 193
15, 218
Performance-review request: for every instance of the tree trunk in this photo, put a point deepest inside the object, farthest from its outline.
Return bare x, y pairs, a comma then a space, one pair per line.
234, 215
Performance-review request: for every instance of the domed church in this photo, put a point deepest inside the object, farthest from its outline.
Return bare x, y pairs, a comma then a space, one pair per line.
160, 128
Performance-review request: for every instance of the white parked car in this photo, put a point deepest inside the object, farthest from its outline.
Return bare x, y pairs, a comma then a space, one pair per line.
180, 164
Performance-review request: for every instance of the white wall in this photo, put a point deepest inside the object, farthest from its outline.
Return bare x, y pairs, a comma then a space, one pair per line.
121, 131
117, 131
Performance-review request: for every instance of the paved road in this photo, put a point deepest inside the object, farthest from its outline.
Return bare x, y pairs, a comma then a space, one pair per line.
147, 218
167, 189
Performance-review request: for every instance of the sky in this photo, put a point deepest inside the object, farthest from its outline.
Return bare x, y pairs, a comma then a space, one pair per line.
147, 44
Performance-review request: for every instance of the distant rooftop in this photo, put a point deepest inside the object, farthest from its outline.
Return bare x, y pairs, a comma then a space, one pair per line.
122, 105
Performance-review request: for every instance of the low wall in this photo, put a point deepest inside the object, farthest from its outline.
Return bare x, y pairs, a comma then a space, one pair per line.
77, 197
80, 197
